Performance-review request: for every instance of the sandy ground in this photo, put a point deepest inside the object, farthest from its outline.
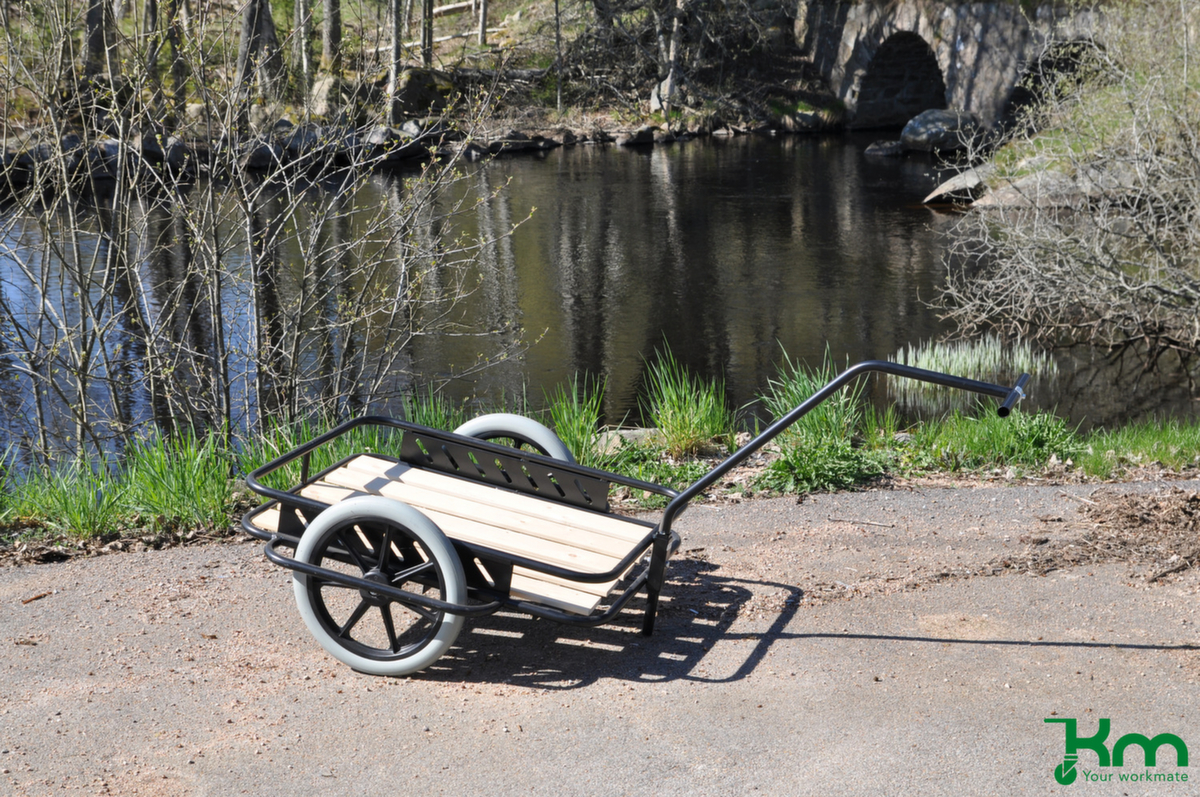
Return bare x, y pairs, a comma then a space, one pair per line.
888, 642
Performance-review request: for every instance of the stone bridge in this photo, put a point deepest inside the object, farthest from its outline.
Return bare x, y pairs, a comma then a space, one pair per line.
888, 60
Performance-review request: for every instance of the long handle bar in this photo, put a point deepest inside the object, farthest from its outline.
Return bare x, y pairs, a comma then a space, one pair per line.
1010, 396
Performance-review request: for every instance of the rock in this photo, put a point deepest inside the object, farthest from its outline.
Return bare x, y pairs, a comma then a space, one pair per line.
303, 140
885, 149
641, 137
806, 122
428, 127
512, 141
664, 137
260, 155
1044, 190
171, 152
471, 150
420, 91
390, 144
962, 185
944, 130
102, 158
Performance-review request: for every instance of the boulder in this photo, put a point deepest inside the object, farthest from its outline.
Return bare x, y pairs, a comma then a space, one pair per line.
885, 149
964, 185
943, 130
643, 136
420, 91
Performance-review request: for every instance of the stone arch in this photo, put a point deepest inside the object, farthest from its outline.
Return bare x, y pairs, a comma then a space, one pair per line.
1059, 68
902, 80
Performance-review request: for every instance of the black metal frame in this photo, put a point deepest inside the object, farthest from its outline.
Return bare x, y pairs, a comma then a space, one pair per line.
549, 479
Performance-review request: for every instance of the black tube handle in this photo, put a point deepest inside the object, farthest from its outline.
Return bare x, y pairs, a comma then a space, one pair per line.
1014, 395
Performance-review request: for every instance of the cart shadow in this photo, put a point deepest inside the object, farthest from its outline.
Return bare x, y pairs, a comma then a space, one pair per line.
696, 611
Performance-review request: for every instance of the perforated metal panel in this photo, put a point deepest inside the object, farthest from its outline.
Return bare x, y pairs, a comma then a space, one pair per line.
557, 481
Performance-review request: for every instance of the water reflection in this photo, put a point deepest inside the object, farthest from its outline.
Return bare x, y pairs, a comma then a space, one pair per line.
217, 305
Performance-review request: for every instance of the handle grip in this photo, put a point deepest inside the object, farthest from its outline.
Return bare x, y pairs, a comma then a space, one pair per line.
1014, 395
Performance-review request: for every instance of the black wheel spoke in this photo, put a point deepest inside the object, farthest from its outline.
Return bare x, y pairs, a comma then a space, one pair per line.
358, 560
384, 549
428, 614
406, 575
386, 611
355, 616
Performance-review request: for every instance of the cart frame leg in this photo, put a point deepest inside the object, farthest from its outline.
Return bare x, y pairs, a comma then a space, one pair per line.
654, 580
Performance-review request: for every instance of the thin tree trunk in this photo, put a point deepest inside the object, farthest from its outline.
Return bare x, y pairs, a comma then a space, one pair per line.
427, 33
176, 15
153, 48
396, 62
301, 53
483, 11
331, 36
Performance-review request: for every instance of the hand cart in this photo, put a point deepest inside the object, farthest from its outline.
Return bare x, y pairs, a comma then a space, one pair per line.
391, 554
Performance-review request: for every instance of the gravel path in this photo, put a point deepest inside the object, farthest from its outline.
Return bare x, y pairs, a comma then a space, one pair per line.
859, 643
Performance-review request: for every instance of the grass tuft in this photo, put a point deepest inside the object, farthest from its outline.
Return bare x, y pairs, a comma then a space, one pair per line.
182, 479
575, 417
690, 414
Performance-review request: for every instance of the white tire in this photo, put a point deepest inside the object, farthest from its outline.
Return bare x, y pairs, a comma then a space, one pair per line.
389, 542
504, 427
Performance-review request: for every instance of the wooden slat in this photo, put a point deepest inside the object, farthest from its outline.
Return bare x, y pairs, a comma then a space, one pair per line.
267, 520
502, 517
619, 528
560, 597
477, 532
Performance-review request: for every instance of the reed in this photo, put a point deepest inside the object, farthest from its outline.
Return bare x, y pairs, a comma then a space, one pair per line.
987, 359
688, 413
432, 409
75, 499
837, 418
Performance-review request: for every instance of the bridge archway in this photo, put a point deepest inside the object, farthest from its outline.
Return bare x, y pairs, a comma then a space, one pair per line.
902, 80
1061, 68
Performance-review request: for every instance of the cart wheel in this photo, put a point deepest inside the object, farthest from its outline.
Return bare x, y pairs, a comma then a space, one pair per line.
517, 431
381, 540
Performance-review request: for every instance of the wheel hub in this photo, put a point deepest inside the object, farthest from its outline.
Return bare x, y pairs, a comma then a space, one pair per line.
375, 598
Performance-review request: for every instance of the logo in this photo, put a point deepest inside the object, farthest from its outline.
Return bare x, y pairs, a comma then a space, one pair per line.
1068, 771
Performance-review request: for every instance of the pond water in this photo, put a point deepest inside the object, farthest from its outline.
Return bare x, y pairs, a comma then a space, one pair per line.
730, 252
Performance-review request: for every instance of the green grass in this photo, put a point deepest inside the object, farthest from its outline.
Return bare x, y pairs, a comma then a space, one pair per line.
963, 442
574, 414
182, 479
1173, 444
75, 499
836, 418
688, 412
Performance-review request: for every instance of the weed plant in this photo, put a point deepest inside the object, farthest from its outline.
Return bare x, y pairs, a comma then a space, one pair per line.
431, 409
575, 417
689, 413
836, 418
75, 499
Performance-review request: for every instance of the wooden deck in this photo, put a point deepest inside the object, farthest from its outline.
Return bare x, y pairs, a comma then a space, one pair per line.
515, 524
